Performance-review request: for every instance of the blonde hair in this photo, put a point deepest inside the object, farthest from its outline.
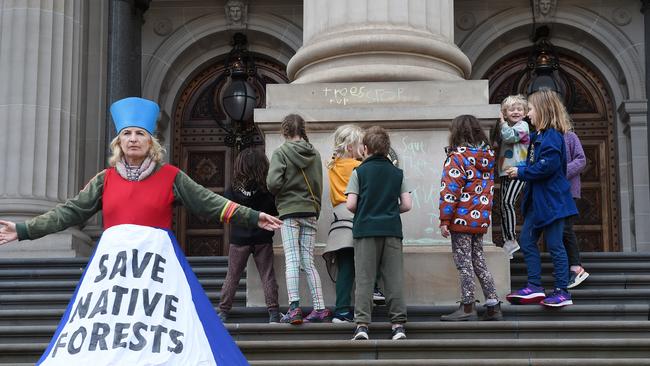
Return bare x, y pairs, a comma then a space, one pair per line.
512, 100
549, 111
344, 136
156, 151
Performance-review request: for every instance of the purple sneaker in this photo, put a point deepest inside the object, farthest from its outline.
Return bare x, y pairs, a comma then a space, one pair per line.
530, 294
293, 316
558, 299
319, 316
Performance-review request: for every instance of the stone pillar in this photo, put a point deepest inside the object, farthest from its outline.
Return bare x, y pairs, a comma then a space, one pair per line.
634, 115
645, 9
40, 104
124, 77
378, 40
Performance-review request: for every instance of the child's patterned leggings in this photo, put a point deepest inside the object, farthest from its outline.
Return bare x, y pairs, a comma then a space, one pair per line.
298, 241
469, 259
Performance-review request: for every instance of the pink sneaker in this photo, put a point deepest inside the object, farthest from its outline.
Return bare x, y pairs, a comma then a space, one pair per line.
319, 316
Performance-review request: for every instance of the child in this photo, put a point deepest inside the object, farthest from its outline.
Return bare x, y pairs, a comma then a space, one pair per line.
296, 179
512, 140
377, 196
339, 253
467, 186
576, 163
547, 199
249, 189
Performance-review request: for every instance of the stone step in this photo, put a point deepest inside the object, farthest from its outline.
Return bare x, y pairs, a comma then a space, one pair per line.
68, 286
468, 350
460, 362
44, 300
595, 281
602, 268
80, 262
75, 273
251, 315
415, 330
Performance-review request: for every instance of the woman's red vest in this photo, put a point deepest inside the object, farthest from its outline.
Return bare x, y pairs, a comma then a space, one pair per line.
147, 202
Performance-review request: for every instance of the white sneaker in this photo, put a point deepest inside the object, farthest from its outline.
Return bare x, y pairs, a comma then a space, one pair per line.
510, 246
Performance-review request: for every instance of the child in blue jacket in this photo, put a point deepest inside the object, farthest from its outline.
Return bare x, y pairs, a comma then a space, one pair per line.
547, 199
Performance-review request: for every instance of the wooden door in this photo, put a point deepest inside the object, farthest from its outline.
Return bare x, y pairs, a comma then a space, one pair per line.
200, 149
597, 227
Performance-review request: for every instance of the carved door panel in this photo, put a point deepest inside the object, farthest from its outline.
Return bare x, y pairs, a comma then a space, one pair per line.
200, 148
597, 227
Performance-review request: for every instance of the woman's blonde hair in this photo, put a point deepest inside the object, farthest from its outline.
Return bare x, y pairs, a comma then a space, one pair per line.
549, 111
512, 100
344, 136
156, 151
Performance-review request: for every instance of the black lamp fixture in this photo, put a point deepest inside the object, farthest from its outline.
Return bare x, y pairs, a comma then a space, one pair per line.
543, 68
238, 97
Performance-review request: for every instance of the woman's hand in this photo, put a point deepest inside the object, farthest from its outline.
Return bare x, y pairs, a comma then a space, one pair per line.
7, 232
268, 222
444, 230
512, 172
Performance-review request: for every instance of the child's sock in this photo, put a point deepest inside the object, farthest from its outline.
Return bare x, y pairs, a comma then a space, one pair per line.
294, 304
491, 302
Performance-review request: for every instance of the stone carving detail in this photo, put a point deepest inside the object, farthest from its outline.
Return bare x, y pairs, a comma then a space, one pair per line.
621, 17
545, 8
206, 168
163, 27
466, 21
204, 246
236, 13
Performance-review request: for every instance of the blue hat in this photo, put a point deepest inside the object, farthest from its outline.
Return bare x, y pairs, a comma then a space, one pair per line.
135, 112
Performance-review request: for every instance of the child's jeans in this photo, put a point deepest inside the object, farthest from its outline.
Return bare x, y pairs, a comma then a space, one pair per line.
298, 240
383, 254
469, 260
553, 238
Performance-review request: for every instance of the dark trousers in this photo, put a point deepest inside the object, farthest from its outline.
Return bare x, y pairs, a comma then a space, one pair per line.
344, 279
237, 259
571, 241
553, 238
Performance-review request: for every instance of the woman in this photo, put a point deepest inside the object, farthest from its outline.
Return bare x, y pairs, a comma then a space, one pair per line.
136, 194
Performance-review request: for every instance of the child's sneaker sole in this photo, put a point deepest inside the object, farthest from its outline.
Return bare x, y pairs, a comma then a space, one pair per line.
558, 305
579, 279
525, 300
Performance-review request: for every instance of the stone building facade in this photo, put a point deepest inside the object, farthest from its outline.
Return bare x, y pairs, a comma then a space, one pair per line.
62, 62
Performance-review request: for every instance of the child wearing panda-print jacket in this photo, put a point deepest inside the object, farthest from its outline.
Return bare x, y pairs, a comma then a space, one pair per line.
467, 187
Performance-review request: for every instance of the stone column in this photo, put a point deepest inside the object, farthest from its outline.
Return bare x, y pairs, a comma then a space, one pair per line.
645, 9
40, 103
391, 63
124, 77
378, 40
634, 115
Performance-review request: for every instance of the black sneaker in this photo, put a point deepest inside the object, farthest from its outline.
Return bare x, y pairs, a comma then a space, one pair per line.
378, 297
399, 333
577, 277
223, 316
347, 317
361, 333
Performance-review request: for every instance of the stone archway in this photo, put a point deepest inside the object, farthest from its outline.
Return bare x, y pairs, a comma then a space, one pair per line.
593, 115
199, 148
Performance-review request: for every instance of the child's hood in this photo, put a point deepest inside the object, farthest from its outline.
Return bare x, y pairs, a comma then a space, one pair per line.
481, 157
301, 153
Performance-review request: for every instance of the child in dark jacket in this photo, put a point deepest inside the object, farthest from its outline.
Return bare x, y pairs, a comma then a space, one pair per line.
466, 193
296, 178
547, 199
249, 189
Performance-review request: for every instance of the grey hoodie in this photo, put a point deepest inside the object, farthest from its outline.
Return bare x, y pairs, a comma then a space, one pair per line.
287, 183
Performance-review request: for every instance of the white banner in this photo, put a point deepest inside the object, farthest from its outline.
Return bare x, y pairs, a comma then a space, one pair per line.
139, 303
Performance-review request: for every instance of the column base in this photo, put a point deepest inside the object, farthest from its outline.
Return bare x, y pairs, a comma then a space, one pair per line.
65, 244
430, 277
